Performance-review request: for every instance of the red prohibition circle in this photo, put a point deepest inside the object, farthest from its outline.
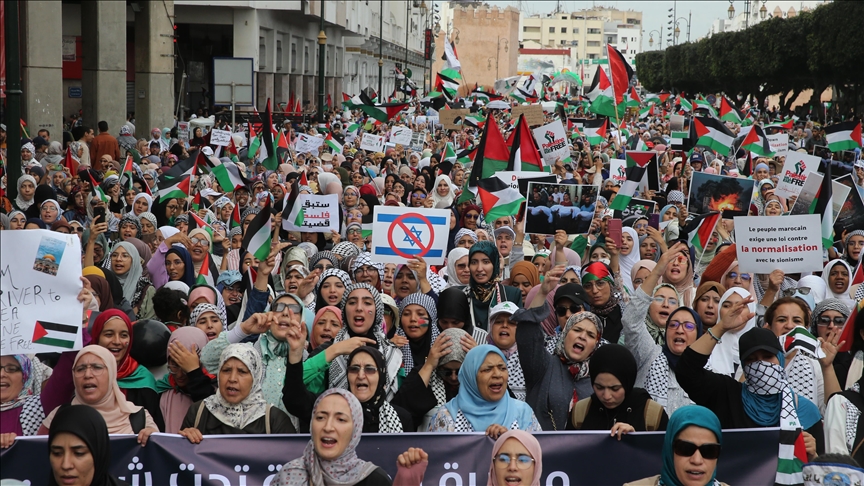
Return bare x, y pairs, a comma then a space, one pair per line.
399, 222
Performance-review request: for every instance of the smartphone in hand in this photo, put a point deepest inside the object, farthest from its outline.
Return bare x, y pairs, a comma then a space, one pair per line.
654, 221
614, 225
98, 215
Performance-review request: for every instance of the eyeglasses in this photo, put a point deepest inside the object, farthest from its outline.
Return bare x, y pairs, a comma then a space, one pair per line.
445, 372
673, 302
97, 369
11, 368
598, 284
199, 241
172, 207
355, 232
838, 321
322, 266
365, 269
744, 276
690, 326
561, 310
641, 226
523, 461
684, 448
368, 370
233, 290
472, 216
419, 195
281, 306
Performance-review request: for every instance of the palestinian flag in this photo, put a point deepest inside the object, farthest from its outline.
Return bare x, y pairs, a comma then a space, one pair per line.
573, 128
235, 217
596, 130
283, 149
348, 102
196, 222
757, 142
728, 111
683, 103
637, 166
633, 98
703, 104
383, 112
801, 339
334, 144
748, 120
602, 97
174, 188
228, 176
747, 171
491, 156
652, 98
254, 143
787, 124
231, 151
128, 170
449, 153
205, 276
524, 153
700, 236
523, 96
54, 334
713, 134
196, 202
793, 453
849, 329
268, 138
498, 198
136, 157
97, 189
69, 162
621, 73
646, 112
256, 239
475, 120
822, 205
843, 136
448, 83
466, 156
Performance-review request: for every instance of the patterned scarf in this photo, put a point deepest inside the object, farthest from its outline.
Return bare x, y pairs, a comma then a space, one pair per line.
251, 408
578, 370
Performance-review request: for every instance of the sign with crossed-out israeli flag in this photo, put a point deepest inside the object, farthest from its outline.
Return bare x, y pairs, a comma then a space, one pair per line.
399, 234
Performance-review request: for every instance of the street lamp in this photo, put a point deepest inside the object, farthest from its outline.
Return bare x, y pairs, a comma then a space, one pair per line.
678, 31
731, 10
651, 38
763, 11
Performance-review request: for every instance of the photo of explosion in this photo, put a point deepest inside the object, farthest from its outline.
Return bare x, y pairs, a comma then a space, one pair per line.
709, 192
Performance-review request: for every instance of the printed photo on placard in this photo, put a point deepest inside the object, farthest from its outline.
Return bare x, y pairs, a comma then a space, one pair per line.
710, 192
850, 217
821, 151
551, 207
636, 208
48, 255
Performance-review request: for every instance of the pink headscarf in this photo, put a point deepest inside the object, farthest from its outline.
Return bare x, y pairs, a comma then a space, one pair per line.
660, 148
530, 444
318, 315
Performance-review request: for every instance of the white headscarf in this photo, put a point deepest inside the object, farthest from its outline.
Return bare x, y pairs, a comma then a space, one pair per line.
168, 231
452, 257
129, 280
446, 201
626, 262
724, 358
842, 296
146, 197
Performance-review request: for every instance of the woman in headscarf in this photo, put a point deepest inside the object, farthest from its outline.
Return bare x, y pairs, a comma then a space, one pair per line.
516, 456
79, 447
732, 277
483, 404
838, 278
17, 220
330, 288
129, 227
178, 265
239, 406
95, 375
187, 381
339, 413
101, 289
141, 203
26, 192
454, 311
418, 325
143, 253
679, 273
628, 255
599, 284
524, 276
617, 404
443, 194
485, 289
691, 448
502, 334
465, 238
470, 217
200, 250
327, 323
657, 361
707, 302
724, 358
458, 274
50, 211
125, 262
843, 412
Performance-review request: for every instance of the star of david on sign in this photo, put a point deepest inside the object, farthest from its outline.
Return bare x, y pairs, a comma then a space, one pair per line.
416, 232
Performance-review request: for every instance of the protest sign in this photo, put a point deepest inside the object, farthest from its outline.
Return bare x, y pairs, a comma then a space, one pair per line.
533, 114
401, 233
400, 135
551, 207
795, 171
451, 119
420, 119
552, 141
636, 208
710, 192
518, 180
417, 140
850, 216
779, 143
183, 132
840, 194
618, 170
220, 138
372, 143
40, 274
574, 458
313, 214
306, 144
766, 243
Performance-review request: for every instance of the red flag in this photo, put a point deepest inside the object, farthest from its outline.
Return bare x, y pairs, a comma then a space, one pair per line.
621, 73
848, 334
329, 101
298, 108
70, 162
290, 103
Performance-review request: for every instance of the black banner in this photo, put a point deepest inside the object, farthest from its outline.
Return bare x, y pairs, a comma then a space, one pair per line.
569, 458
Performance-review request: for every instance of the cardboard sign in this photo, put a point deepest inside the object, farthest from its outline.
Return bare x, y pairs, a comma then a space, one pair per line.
313, 214
452, 119
551, 207
399, 234
40, 273
533, 114
840, 193
183, 132
618, 170
779, 143
372, 143
711, 192
766, 243
220, 138
552, 141
417, 141
401, 135
518, 180
795, 171
636, 207
307, 144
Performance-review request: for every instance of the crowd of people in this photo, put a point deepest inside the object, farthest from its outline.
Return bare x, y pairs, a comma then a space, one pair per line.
515, 333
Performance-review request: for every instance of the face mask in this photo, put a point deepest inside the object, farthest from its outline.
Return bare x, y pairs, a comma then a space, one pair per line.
765, 378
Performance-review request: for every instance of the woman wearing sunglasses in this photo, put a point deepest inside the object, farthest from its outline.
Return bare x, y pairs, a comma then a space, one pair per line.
691, 449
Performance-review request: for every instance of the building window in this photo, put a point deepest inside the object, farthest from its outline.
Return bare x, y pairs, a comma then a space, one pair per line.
574, 42
575, 30
632, 39
563, 42
293, 56
563, 17
262, 53
593, 43
632, 51
305, 59
524, 29
634, 21
593, 31
563, 30
278, 55
592, 56
551, 30
610, 39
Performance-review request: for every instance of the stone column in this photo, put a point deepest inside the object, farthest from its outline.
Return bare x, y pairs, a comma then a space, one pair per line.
103, 79
154, 67
42, 67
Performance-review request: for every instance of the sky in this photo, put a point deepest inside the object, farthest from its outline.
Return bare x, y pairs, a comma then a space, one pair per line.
654, 13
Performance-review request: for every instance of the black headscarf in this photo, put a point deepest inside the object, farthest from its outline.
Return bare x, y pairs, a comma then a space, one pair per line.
407, 191
371, 408
371, 201
453, 304
42, 194
620, 363
88, 425
188, 266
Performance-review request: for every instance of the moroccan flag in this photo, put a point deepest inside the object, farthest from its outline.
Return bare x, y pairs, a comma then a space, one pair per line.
54, 334
269, 141
637, 166
69, 162
757, 142
596, 130
713, 134
383, 112
334, 144
621, 73
728, 111
205, 276
498, 198
700, 236
843, 136
256, 239
235, 217
524, 153
822, 206
228, 176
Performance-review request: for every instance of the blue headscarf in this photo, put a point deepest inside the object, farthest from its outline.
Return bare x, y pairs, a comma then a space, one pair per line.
480, 412
682, 418
188, 267
765, 409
